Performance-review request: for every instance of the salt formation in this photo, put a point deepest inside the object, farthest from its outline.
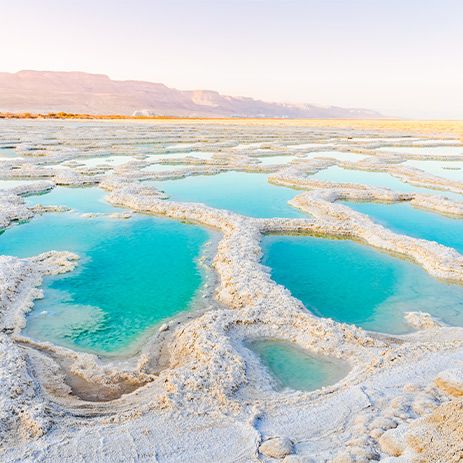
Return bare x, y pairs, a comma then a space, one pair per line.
190, 394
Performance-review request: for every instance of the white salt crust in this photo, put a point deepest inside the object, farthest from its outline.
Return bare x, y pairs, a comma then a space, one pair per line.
194, 392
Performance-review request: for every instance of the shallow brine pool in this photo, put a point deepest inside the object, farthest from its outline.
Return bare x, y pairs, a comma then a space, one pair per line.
9, 184
270, 160
133, 274
87, 200
295, 368
424, 150
341, 155
186, 154
355, 284
244, 193
113, 161
377, 179
407, 220
453, 170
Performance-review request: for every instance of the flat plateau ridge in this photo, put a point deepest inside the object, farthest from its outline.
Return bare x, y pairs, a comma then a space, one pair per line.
80, 92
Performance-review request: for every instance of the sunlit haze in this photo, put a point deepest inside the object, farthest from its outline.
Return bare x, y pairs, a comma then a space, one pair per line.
402, 58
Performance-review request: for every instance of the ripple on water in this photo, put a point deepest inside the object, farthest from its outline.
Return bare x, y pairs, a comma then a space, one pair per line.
352, 283
295, 368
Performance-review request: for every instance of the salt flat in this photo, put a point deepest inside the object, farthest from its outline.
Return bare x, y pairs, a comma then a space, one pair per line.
105, 368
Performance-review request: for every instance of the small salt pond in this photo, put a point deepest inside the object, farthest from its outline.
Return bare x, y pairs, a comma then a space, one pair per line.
439, 141
405, 219
133, 274
112, 161
379, 139
245, 193
426, 151
377, 179
270, 160
453, 170
9, 184
355, 284
165, 167
186, 154
342, 156
304, 146
84, 200
9, 153
295, 368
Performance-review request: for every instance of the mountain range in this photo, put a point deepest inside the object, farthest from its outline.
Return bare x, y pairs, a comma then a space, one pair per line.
81, 92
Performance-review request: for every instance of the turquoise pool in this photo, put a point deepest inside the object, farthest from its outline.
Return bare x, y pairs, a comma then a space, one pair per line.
453, 170
245, 193
355, 284
133, 274
90, 199
405, 219
377, 179
296, 368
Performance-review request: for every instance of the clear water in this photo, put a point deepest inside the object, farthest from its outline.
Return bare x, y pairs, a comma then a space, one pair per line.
377, 179
355, 284
439, 141
187, 154
84, 200
296, 368
405, 219
245, 193
164, 167
342, 156
384, 139
9, 154
132, 275
105, 160
428, 150
306, 146
269, 160
453, 170
9, 184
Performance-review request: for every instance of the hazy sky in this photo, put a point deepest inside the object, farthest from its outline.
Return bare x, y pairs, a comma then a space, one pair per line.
402, 57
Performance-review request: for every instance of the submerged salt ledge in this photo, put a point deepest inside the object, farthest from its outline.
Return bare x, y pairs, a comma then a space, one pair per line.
205, 369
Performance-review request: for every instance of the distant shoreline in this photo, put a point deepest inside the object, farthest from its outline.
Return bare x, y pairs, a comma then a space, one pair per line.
449, 127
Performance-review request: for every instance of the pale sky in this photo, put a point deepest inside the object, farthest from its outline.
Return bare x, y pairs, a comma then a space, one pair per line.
401, 57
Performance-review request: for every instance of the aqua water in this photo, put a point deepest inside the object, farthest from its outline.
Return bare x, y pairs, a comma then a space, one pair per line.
453, 170
132, 274
377, 179
426, 150
90, 199
407, 220
355, 284
296, 368
244, 193
340, 155
274, 160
